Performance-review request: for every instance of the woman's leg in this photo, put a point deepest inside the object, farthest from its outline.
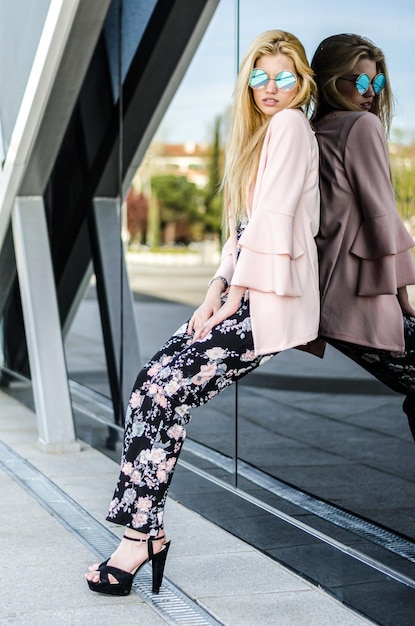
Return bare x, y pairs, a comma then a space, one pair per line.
181, 376
394, 369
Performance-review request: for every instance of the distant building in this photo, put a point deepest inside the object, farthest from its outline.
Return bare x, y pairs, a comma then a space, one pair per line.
189, 159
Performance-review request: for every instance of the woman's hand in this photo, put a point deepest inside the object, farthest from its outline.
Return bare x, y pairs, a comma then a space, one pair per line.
404, 301
207, 322
209, 306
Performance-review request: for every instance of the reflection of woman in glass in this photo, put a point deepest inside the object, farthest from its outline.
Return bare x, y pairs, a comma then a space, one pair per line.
364, 248
270, 276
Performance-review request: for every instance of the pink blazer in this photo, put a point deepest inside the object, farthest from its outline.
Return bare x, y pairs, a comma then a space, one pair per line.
277, 259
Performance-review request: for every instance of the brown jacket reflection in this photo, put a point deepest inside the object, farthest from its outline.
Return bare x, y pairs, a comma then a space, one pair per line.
364, 248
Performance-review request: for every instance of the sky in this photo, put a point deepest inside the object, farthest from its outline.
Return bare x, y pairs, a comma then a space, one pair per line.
206, 90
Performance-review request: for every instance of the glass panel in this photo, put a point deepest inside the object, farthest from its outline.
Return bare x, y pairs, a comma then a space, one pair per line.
20, 37
169, 269
84, 346
135, 17
326, 426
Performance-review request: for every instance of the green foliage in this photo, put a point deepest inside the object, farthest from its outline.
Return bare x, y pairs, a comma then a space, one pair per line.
403, 176
179, 210
178, 198
213, 197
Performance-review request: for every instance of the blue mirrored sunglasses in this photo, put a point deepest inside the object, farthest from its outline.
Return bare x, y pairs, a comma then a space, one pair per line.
285, 80
363, 82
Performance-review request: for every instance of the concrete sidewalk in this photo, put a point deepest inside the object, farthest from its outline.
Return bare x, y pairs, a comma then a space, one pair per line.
42, 562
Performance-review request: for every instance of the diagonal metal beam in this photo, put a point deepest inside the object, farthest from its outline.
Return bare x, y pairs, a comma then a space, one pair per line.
115, 302
42, 325
166, 49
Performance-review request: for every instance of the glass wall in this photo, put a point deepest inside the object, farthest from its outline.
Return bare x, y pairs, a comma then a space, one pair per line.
20, 38
322, 426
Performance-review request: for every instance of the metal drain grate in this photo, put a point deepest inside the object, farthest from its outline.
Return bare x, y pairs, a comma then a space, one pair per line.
172, 604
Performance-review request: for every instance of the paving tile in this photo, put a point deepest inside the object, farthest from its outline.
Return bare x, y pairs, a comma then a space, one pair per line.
199, 537
232, 574
104, 615
299, 608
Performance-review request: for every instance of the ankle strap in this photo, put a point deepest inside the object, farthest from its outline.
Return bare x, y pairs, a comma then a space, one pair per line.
144, 540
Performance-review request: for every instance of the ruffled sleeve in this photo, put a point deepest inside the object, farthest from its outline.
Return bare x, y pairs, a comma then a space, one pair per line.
380, 237
271, 233
382, 245
382, 242
268, 250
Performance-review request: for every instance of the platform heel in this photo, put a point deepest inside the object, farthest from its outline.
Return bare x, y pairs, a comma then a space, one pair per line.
158, 561
125, 579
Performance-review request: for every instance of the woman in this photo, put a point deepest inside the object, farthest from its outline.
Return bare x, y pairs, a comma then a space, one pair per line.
364, 248
270, 276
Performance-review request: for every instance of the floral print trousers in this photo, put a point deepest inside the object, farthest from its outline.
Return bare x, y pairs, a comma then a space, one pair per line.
394, 369
181, 376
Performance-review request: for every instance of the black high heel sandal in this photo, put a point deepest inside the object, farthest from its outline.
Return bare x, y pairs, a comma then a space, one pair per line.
125, 579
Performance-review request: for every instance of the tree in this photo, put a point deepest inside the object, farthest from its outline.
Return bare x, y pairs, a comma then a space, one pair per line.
213, 197
180, 203
137, 209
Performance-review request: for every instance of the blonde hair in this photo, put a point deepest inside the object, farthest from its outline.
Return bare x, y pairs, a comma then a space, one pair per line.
336, 56
249, 125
